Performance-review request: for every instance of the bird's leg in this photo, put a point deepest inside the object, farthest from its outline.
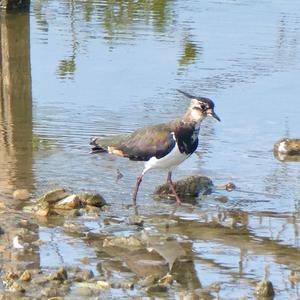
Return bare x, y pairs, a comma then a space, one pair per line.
169, 181
138, 182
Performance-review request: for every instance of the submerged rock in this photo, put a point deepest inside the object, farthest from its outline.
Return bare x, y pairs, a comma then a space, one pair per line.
130, 242
287, 149
135, 220
60, 275
58, 201
26, 276
70, 202
191, 186
21, 194
54, 196
157, 289
92, 199
264, 289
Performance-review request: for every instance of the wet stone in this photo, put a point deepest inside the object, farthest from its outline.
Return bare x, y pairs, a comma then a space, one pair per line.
50, 292
287, 149
60, 275
294, 278
84, 260
84, 275
264, 289
222, 199
84, 292
167, 279
92, 199
54, 196
28, 225
191, 296
70, 202
157, 288
135, 220
40, 280
150, 280
130, 242
92, 209
21, 194
122, 285
26, 276
191, 186
16, 288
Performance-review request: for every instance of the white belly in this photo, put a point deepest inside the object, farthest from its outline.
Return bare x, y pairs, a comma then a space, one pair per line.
168, 162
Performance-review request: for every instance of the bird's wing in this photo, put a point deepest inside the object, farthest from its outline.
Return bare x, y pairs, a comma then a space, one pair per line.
142, 144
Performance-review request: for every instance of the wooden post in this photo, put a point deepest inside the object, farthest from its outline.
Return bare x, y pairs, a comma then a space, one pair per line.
14, 5
16, 156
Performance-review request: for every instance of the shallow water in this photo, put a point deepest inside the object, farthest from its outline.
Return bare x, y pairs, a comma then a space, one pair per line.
108, 67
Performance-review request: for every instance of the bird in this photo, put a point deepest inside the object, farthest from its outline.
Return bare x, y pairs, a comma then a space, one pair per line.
161, 146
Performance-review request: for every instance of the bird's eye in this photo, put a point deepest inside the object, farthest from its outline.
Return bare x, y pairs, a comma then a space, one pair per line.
203, 106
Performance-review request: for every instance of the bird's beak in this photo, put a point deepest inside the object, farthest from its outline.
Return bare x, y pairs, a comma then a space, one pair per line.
213, 114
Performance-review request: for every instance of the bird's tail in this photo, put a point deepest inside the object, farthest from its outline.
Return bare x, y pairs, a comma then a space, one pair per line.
101, 144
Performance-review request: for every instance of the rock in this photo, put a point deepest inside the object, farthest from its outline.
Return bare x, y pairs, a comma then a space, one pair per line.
167, 279
92, 209
26, 276
21, 194
54, 196
222, 199
40, 280
103, 284
264, 289
294, 278
92, 199
157, 288
42, 211
150, 280
122, 285
131, 242
70, 202
50, 292
16, 288
9, 276
287, 149
28, 225
84, 275
84, 260
190, 186
84, 292
135, 220
192, 296
60, 275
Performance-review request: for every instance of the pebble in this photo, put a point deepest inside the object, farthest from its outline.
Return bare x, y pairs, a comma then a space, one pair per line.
135, 220
157, 288
21, 194
54, 196
70, 202
84, 292
60, 275
264, 289
26, 276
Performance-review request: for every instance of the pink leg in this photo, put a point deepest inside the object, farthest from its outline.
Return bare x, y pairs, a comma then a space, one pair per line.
136, 189
169, 181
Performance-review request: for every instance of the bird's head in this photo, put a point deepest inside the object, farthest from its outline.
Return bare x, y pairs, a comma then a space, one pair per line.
200, 108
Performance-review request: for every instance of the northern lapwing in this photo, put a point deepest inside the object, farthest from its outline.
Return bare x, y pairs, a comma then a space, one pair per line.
161, 146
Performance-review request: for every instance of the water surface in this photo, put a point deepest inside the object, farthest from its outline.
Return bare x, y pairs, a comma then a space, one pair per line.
109, 67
